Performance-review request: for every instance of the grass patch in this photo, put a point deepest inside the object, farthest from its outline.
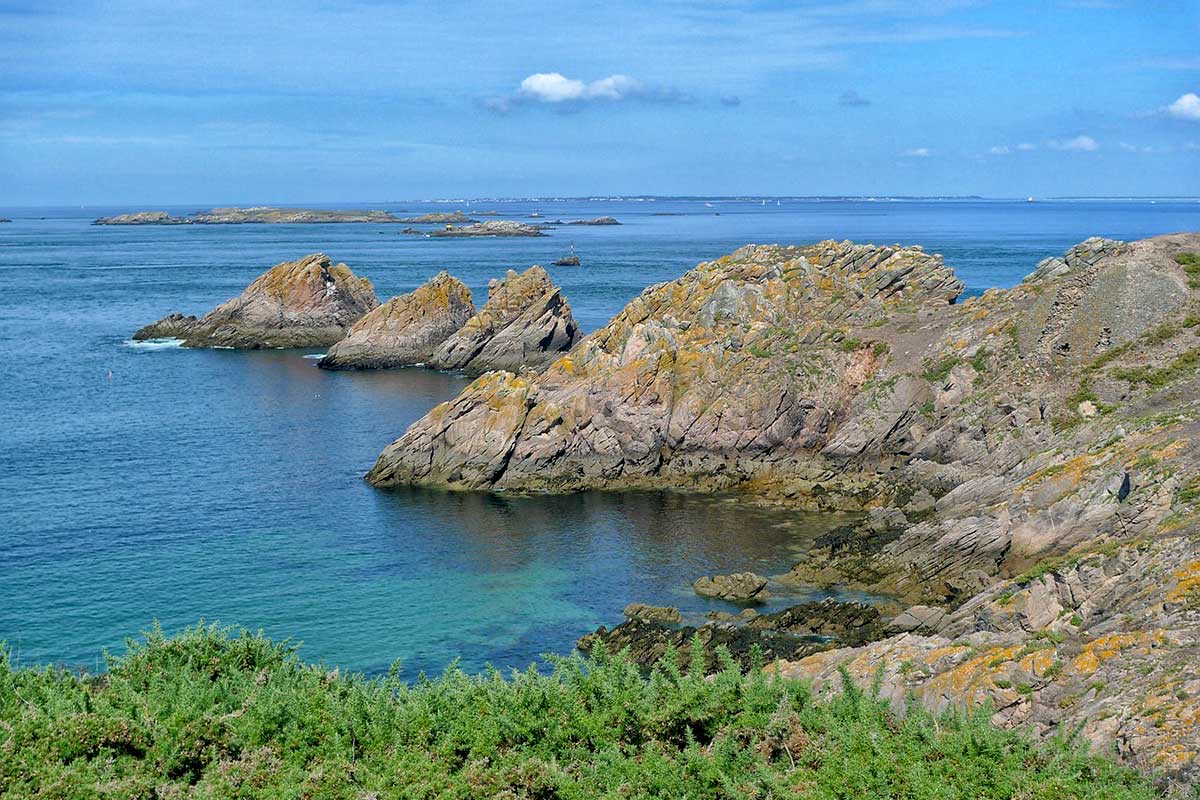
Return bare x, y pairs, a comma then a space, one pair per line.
938, 371
214, 713
1157, 377
1191, 266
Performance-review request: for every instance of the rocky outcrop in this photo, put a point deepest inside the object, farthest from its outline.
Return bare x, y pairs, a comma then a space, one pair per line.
647, 642
800, 630
525, 323
666, 615
742, 587
405, 330
495, 227
242, 216
305, 303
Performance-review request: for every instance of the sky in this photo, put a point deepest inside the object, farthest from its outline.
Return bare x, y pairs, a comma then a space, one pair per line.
143, 102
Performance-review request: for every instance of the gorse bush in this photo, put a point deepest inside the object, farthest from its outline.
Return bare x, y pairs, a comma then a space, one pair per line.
215, 713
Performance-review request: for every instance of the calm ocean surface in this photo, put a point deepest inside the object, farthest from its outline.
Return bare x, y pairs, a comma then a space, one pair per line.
139, 484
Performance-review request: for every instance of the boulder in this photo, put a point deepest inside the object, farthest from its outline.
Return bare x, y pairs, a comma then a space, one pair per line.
739, 587
309, 302
406, 329
525, 324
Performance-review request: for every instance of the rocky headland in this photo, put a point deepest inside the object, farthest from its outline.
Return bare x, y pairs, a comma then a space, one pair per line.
405, 330
1025, 461
309, 302
525, 324
243, 216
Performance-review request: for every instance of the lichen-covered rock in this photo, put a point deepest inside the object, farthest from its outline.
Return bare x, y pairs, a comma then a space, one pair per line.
1106, 645
742, 587
740, 368
525, 323
305, 303
406, 329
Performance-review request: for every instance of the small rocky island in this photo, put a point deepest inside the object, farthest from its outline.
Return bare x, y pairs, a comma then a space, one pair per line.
267, 215
438, 218
1023, 463
309, 302
495, 227
596, 221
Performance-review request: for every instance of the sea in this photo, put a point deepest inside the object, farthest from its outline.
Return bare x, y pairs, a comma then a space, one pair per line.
143, 484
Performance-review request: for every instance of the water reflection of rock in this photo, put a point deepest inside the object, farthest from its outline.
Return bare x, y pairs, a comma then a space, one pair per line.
642, 546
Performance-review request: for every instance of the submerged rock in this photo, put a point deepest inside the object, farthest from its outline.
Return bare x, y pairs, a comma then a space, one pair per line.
405, 330
525, 324
739, 587
309, 302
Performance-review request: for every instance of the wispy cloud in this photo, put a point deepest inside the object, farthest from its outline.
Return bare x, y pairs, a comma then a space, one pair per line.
918, 152
1080, 144
1008, 149
852, 99
1186, 107
556, 89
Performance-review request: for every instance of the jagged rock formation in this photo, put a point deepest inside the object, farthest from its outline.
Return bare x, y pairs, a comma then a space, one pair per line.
525, 323
304, 303
405, 330
267, 215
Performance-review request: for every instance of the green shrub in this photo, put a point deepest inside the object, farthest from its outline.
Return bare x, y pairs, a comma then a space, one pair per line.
938, 371
217, 713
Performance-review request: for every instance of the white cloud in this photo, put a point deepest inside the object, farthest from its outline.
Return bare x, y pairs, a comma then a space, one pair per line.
1000, 150
1026, 146
917, 152
1186, 107
1084, 144
554, 88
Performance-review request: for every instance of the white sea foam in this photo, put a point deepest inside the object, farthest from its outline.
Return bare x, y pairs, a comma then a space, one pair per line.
154, 344
314, 356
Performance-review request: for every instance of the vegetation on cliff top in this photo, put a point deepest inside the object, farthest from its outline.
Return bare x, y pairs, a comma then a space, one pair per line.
217, 713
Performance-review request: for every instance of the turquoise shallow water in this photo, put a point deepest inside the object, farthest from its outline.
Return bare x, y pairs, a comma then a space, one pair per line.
142, 483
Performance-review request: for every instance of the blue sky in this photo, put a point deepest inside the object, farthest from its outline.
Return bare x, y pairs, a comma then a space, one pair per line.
150, 102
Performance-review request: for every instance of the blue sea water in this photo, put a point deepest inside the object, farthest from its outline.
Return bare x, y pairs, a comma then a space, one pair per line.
142, 482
